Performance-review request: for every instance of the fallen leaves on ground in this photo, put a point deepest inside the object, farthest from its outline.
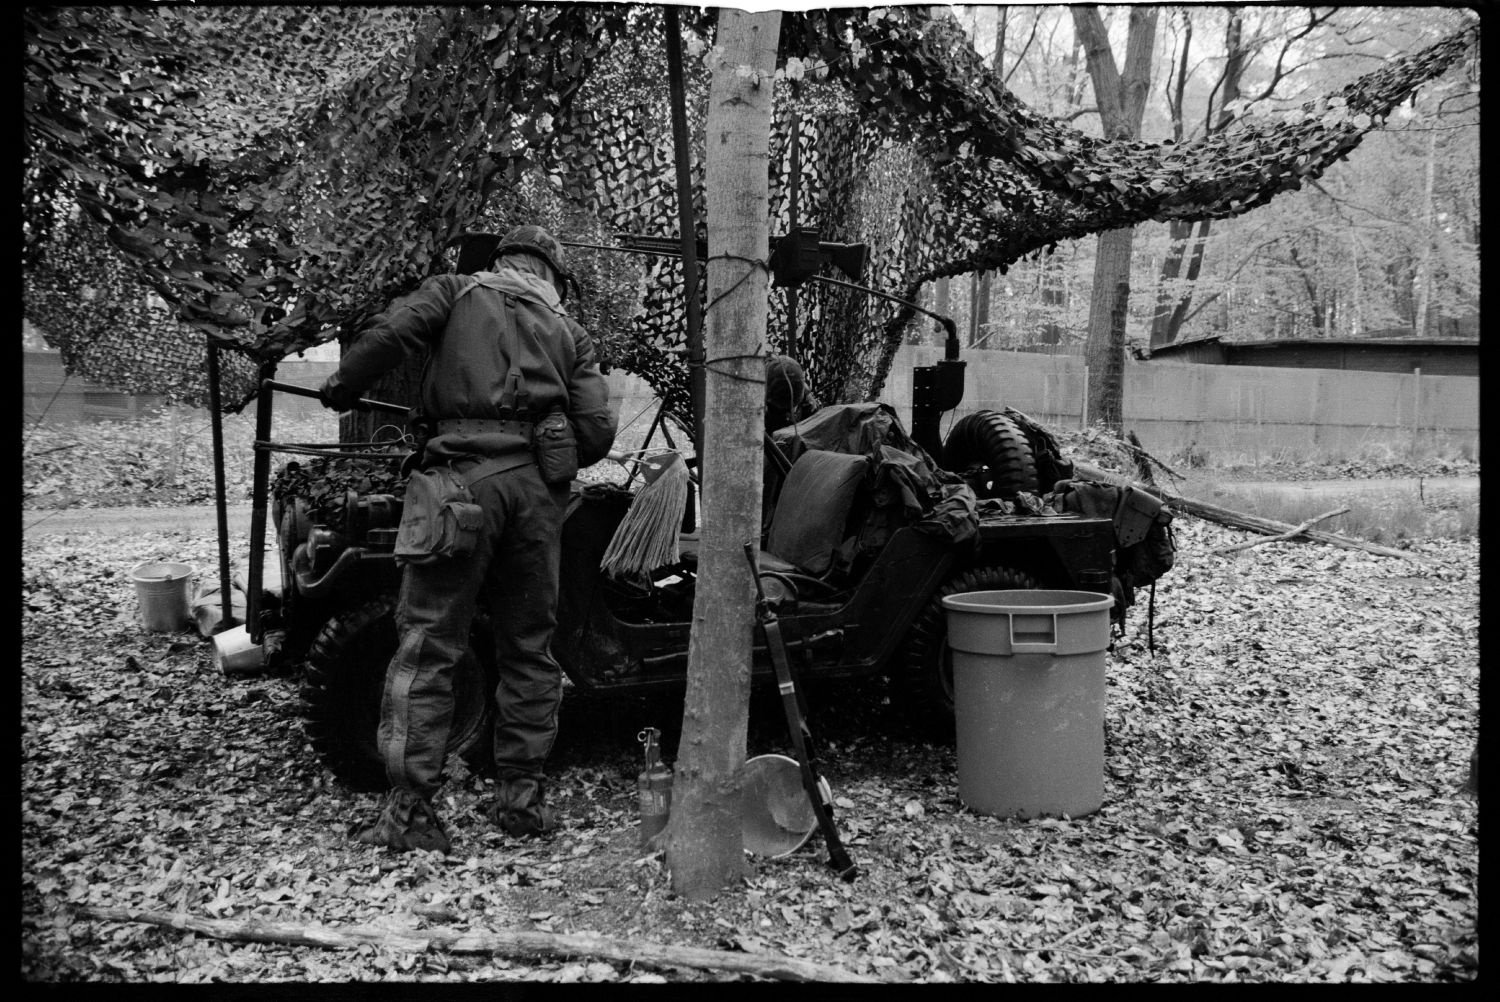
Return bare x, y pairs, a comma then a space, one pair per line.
105, 464
1280, 805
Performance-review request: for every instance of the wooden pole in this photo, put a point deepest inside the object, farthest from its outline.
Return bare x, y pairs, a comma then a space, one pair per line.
1416, 410
259, 488
687, 231
1083, 420
221, 502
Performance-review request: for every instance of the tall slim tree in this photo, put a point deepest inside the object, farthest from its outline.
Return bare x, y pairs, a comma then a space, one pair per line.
1181, 262
704, 841
979, 315
1121, 98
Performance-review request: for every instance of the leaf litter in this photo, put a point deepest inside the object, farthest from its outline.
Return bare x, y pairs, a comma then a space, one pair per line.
1281, 804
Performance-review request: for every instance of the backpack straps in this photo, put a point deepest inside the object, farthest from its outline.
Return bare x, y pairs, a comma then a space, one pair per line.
490, 467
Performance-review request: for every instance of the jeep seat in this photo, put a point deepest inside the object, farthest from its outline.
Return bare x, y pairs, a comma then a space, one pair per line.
812, 514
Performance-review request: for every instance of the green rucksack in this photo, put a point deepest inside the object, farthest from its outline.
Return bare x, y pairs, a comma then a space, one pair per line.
1144, 547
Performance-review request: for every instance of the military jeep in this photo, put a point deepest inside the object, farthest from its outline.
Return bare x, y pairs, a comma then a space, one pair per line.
867, 533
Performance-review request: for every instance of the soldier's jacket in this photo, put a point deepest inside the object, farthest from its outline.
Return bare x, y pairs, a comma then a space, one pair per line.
466, 372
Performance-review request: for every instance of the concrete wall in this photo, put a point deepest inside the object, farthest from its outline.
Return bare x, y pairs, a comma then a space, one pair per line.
1225, 410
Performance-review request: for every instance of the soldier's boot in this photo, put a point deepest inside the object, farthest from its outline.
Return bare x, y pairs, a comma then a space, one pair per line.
406, 821
520, 809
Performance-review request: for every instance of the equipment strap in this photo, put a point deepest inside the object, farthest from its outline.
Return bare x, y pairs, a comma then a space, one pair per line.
490, 467
817, 789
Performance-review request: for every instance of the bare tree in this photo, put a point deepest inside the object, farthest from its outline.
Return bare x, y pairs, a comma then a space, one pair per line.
1121, 98
1171, 307
704, 842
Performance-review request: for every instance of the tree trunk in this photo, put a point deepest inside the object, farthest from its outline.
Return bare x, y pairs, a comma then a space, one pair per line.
986, 279
1122, 100
1424, 263
941, 295
704, 842
1054, 298
1167, 321
1105, 356
979, 306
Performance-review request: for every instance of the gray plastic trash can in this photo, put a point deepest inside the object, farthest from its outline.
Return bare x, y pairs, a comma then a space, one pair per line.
1028, 694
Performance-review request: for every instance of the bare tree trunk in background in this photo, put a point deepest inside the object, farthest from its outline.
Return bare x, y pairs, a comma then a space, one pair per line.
1424, 263
1173, 307
979, 306
704, 839
981, 311
1166, 325
1122, 100
1054, 296
941, 295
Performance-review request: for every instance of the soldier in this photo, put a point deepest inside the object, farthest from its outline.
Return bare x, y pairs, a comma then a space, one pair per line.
514, 403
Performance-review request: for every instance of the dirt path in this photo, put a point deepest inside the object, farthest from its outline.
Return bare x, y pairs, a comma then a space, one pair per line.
1465, 488
188, 518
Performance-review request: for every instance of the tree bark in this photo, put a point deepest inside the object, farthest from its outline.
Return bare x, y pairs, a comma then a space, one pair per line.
502, 942
704, 840
1121, 98
1105, 351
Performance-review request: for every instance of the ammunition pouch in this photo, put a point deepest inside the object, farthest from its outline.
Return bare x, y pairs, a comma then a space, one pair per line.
439, 519
556, 449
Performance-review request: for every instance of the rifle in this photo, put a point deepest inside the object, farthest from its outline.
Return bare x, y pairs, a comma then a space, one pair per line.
796, 718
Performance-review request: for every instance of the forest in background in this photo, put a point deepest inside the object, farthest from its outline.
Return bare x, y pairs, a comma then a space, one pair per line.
1385, 244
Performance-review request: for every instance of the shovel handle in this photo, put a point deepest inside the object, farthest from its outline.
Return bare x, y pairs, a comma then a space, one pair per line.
303, 391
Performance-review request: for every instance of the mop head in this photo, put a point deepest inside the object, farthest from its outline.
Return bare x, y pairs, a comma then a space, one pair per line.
647, 536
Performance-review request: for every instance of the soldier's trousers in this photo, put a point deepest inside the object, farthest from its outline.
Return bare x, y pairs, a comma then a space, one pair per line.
514, 568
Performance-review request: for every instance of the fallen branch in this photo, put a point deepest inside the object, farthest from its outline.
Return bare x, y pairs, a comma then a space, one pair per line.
1239, 519
503, 942
1283, 536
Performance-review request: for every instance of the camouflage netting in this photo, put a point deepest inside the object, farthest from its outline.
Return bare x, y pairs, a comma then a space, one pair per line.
444, 116
91, 306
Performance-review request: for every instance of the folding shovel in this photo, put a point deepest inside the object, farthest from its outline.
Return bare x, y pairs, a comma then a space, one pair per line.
791, 701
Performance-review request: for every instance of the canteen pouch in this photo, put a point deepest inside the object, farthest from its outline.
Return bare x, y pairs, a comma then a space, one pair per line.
439, 519
556, 449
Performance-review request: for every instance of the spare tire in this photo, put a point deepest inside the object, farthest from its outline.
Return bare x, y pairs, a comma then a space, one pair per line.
994, 454
341, 690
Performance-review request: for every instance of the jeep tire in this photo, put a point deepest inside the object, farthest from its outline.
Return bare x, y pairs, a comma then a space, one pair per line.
993, 441
342, 684
923, 681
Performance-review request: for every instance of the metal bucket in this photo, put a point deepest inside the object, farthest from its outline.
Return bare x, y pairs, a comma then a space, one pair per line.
163, 589
777, 817
236, 654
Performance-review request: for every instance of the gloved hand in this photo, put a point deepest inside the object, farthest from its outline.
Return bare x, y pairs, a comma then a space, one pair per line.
336, 396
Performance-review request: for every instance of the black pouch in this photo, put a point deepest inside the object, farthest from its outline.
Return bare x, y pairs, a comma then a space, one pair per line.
556, 449
439, 519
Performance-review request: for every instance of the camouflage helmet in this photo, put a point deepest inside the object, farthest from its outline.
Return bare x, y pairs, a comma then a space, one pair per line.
532, 239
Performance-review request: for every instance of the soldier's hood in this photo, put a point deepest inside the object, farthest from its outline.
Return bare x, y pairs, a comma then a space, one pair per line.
525, 284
